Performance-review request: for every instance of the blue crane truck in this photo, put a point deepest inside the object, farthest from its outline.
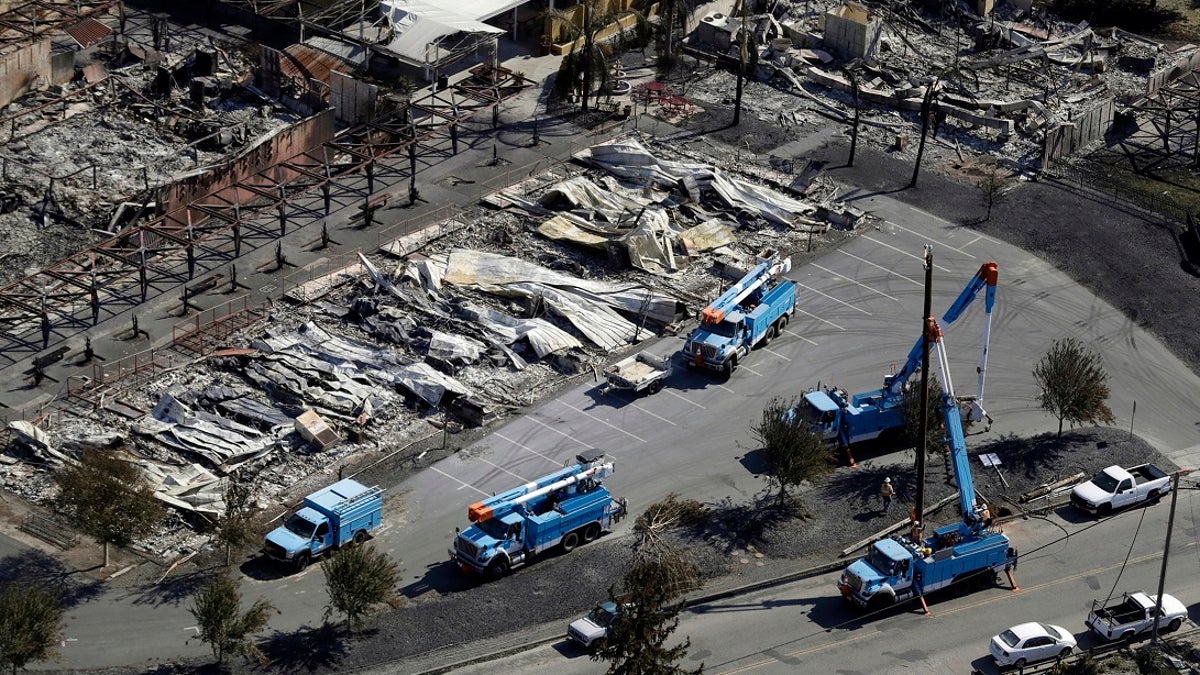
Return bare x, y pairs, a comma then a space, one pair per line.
750, 313
852, 418
330, 518
565, 508
966, 554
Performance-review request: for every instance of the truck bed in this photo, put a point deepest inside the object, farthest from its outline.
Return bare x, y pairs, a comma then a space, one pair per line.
1117, 615
1147, 472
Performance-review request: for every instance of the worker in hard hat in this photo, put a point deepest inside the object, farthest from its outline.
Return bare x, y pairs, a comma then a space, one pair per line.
887, 492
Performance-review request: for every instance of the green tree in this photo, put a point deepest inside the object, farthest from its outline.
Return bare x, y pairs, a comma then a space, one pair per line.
794, 451
648, 609
1073, 384
235, 527
108, 498
358, 578
910, 403
31, 624
223, 625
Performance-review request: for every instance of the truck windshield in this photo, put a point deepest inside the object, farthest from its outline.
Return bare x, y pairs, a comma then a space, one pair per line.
883, 564
601, 617
300, 526
724, 328
493, 528
1105, 482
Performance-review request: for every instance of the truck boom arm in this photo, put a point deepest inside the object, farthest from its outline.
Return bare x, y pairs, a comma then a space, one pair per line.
762, 273
959, 458
986, 277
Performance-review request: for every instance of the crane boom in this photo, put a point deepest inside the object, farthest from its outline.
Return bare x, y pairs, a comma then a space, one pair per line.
959, 459
985, 277
761, 274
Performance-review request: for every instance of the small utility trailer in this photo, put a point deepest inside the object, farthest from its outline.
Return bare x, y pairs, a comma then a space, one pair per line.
638, 373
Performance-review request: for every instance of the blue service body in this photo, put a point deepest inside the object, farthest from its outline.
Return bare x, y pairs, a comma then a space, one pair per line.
749, 313
568, 507
329, 518
854, 418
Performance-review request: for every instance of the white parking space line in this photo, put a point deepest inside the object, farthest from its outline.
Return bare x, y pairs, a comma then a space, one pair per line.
792, 332
460, 483
952, 248
653, 415
523, 480
820, 319
685, 399
772, 351
560, 433
894, 273
858, 283
721, 386
751, 370
581, 411
525, 447
854, 307
900, 250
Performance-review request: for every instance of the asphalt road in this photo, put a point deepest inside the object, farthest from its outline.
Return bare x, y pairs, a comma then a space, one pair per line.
859, 313
806, 627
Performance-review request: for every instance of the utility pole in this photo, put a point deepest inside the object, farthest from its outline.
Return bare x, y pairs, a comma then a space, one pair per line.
919, 506
1162, 575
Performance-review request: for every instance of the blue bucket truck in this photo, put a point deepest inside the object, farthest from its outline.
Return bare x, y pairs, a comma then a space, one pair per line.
853, 418
331, 517
966, 554
750, 313
565, 508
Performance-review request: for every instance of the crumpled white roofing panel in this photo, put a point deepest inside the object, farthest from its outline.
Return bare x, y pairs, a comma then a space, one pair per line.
428, 383
190, 487
598, 322
504, 275
629, 159
543, 336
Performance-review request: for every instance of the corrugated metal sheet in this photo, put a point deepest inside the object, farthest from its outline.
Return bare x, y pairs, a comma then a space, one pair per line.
304, 62
88, 32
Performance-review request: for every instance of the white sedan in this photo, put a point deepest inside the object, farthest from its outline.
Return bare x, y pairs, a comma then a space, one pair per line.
1031, 642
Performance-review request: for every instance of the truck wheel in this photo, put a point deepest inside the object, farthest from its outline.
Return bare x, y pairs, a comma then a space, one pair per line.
497, 569
569, 541
655, 386
1152, 497
1104, 511
1174, 625
360, 537
590, 533
302, 561
783, 321
878, 603
1127, 636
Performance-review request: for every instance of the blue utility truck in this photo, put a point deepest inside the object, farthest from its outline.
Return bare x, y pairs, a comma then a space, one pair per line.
330, 518
564, 508
750, 313
966, 554
853, 418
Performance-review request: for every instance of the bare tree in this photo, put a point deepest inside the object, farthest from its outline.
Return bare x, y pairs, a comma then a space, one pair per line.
926, 109
851, 71
1073, 384
31, 625
794, 452
993, 187
108, 498
653, 588
217, 609
358, 578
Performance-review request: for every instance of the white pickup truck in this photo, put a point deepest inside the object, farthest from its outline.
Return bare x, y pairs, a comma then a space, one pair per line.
1133, 615
1115, 488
